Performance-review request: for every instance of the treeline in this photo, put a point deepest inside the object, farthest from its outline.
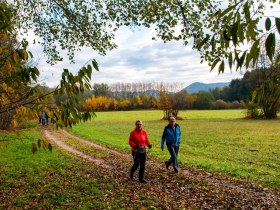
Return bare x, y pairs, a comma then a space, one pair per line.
136, 96
164, 96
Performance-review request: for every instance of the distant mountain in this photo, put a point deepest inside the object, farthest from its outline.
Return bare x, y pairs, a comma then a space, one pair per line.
197, 86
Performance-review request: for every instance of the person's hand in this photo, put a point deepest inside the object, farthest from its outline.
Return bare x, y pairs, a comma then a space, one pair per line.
162, 148
150, 146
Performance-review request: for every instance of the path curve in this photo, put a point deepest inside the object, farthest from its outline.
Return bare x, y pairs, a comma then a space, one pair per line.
72, 150
244, 188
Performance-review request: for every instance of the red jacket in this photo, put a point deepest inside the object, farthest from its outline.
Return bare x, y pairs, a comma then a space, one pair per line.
138, 138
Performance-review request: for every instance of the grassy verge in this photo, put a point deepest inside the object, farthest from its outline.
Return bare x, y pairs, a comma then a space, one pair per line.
219, 141
52, 180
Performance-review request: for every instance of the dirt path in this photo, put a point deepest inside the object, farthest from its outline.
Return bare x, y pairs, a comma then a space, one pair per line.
200, 188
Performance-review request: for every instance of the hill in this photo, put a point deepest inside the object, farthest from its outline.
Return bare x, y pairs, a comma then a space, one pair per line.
197, 86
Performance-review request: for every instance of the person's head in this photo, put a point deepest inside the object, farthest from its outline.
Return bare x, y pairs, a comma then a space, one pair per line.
138, 124
171, 120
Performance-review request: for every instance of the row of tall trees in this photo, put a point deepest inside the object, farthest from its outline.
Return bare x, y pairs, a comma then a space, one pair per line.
152, 99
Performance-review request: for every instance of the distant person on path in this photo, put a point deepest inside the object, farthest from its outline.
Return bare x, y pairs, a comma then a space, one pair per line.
43, 118
138, 140
171, 135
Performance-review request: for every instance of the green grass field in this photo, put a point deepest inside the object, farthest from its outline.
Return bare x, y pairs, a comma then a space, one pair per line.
218, 141
51, 180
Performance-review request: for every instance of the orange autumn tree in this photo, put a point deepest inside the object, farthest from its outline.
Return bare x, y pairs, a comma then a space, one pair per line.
21, 95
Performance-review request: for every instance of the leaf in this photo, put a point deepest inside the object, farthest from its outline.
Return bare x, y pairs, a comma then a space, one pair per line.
214, 63
200, 44
277, 23
270, 45
226, 36
50, 147
95, 65
242, 58
234, 30
230, 61
248, 60
267, 24
227, 10
34, 148
247, 12
222, 67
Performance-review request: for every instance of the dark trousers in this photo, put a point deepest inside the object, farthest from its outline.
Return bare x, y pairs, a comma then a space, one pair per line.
173, 150
139, 159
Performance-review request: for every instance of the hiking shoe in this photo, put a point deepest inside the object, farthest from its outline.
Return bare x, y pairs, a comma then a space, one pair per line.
143, 181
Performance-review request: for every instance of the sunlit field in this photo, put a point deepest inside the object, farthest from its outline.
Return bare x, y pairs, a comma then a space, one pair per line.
219, 141
51, 180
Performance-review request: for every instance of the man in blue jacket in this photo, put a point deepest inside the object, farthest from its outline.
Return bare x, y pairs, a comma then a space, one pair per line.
171, 135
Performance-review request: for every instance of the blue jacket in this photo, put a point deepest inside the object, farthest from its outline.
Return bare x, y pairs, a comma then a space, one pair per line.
171, 136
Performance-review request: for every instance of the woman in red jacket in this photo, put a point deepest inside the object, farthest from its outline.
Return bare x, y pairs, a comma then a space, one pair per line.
138, 141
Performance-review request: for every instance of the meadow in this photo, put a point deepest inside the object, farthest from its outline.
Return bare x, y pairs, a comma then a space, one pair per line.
220, 141
51, 180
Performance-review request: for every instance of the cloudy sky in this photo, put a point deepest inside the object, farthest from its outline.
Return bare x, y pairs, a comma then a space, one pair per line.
138, 58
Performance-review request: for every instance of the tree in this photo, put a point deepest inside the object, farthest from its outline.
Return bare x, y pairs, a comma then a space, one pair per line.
101, 89
19, 91
165, 104
218, 31
203, 100
267, 91
218, 28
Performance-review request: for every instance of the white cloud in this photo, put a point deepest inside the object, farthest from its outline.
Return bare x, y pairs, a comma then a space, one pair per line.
138, 59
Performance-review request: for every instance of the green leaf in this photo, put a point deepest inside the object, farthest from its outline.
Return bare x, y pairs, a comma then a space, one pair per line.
214, 63
277, 23
247, 12
227, 10
267, 24
242, 58
222, 67
234, 30
270, 45
230, 61
226, 36
95, 65
248, 60
200, 44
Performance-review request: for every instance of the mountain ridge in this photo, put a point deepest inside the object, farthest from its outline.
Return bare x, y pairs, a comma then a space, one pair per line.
199, 86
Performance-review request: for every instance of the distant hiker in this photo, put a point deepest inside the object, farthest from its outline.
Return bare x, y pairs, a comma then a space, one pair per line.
43, 118
171, 135
138, 141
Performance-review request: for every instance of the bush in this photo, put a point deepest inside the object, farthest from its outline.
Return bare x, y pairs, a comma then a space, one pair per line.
252, 110
237, 105
219, 104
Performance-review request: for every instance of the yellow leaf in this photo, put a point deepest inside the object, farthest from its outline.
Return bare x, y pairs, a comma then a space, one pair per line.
25, 54
16, 57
